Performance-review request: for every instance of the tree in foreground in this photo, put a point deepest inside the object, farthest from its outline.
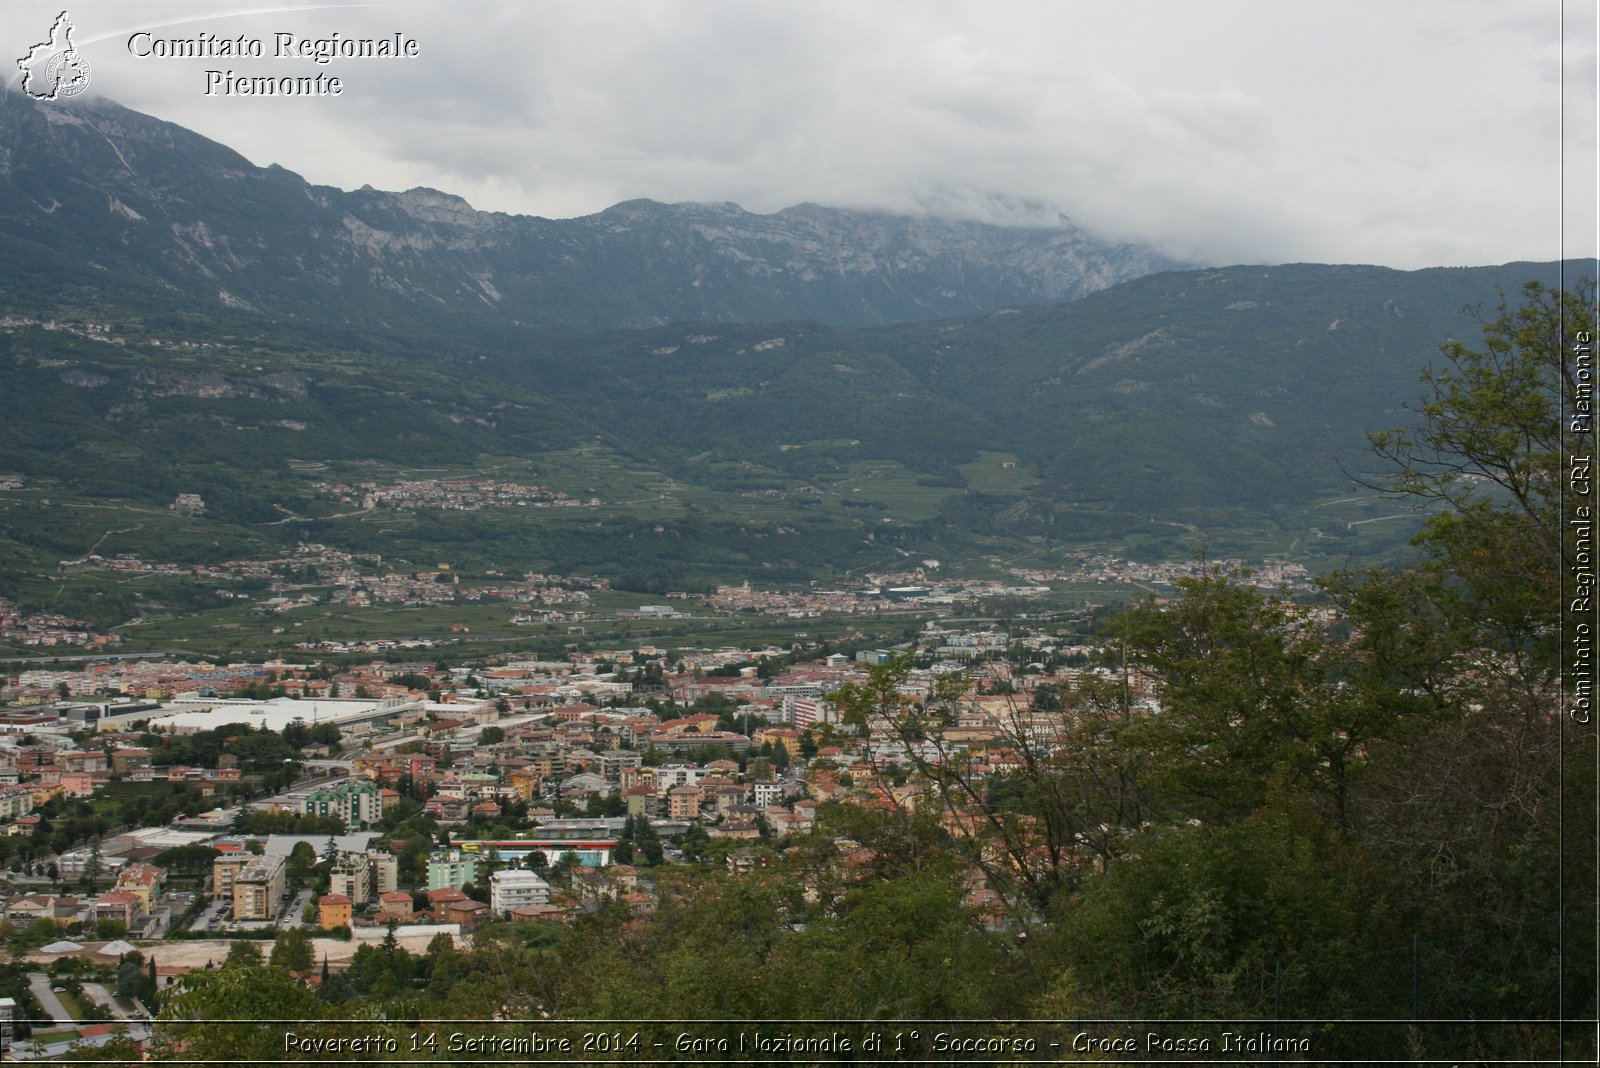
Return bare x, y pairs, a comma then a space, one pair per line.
292, 951
1381, 811
1492, 808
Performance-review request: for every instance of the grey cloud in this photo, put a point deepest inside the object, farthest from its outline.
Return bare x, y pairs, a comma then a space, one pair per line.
1228, 131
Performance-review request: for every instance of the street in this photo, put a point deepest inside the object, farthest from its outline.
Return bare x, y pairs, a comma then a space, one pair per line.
39, 985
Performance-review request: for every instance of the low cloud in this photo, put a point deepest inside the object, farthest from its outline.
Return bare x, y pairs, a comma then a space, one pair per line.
1223, 132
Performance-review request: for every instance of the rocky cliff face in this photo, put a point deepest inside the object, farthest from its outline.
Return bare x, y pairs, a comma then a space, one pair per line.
97, 197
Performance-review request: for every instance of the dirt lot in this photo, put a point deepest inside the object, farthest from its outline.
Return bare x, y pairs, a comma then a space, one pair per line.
186, 954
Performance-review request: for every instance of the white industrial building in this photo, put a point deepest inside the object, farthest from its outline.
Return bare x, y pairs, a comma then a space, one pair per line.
190, 715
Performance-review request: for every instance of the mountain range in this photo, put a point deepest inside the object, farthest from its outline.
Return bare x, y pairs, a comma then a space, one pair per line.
101, 196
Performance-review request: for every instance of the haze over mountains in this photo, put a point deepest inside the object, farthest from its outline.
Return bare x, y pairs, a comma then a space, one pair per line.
272, 326
146, 207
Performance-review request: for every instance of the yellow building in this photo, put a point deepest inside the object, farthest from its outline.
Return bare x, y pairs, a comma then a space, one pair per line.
224, 869
333, 910
526, 783
144, 881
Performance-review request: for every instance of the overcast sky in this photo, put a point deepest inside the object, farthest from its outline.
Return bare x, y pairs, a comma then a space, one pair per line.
1409, 134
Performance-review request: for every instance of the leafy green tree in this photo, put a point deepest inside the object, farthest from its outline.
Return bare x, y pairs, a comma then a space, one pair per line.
908, 947
91, 869
1254, 695
291, 950
561, 870
647, 841
444, 965
1395, 769
244, 953
302, 859
187, 859
40, 932
206, 1014
1473, 805
264, 823
1075, 791
382, 971
1204, 918
136, 979
129, 973
1487, 441
623, 853
885, 948
1046, 697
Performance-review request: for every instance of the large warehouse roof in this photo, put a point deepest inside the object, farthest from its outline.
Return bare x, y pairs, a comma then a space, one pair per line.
273, 715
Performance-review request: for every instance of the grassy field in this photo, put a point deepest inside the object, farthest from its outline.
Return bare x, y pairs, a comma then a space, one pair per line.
998, 472
884, 488
75, 1008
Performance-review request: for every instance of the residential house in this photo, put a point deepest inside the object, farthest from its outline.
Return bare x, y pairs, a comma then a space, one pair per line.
745, 861
513, 889
451, 869
394, 905
334, 910
78, 783
21, 911
526, 782
126, 761
583, 785
628, 778
440, 899
466, 912
670, 775
641, 801
144, 880
683, 803
448, 810
84, 760
385, 871
626, 876
21, 825
786, 738
15, 803
118, 905
614, 761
